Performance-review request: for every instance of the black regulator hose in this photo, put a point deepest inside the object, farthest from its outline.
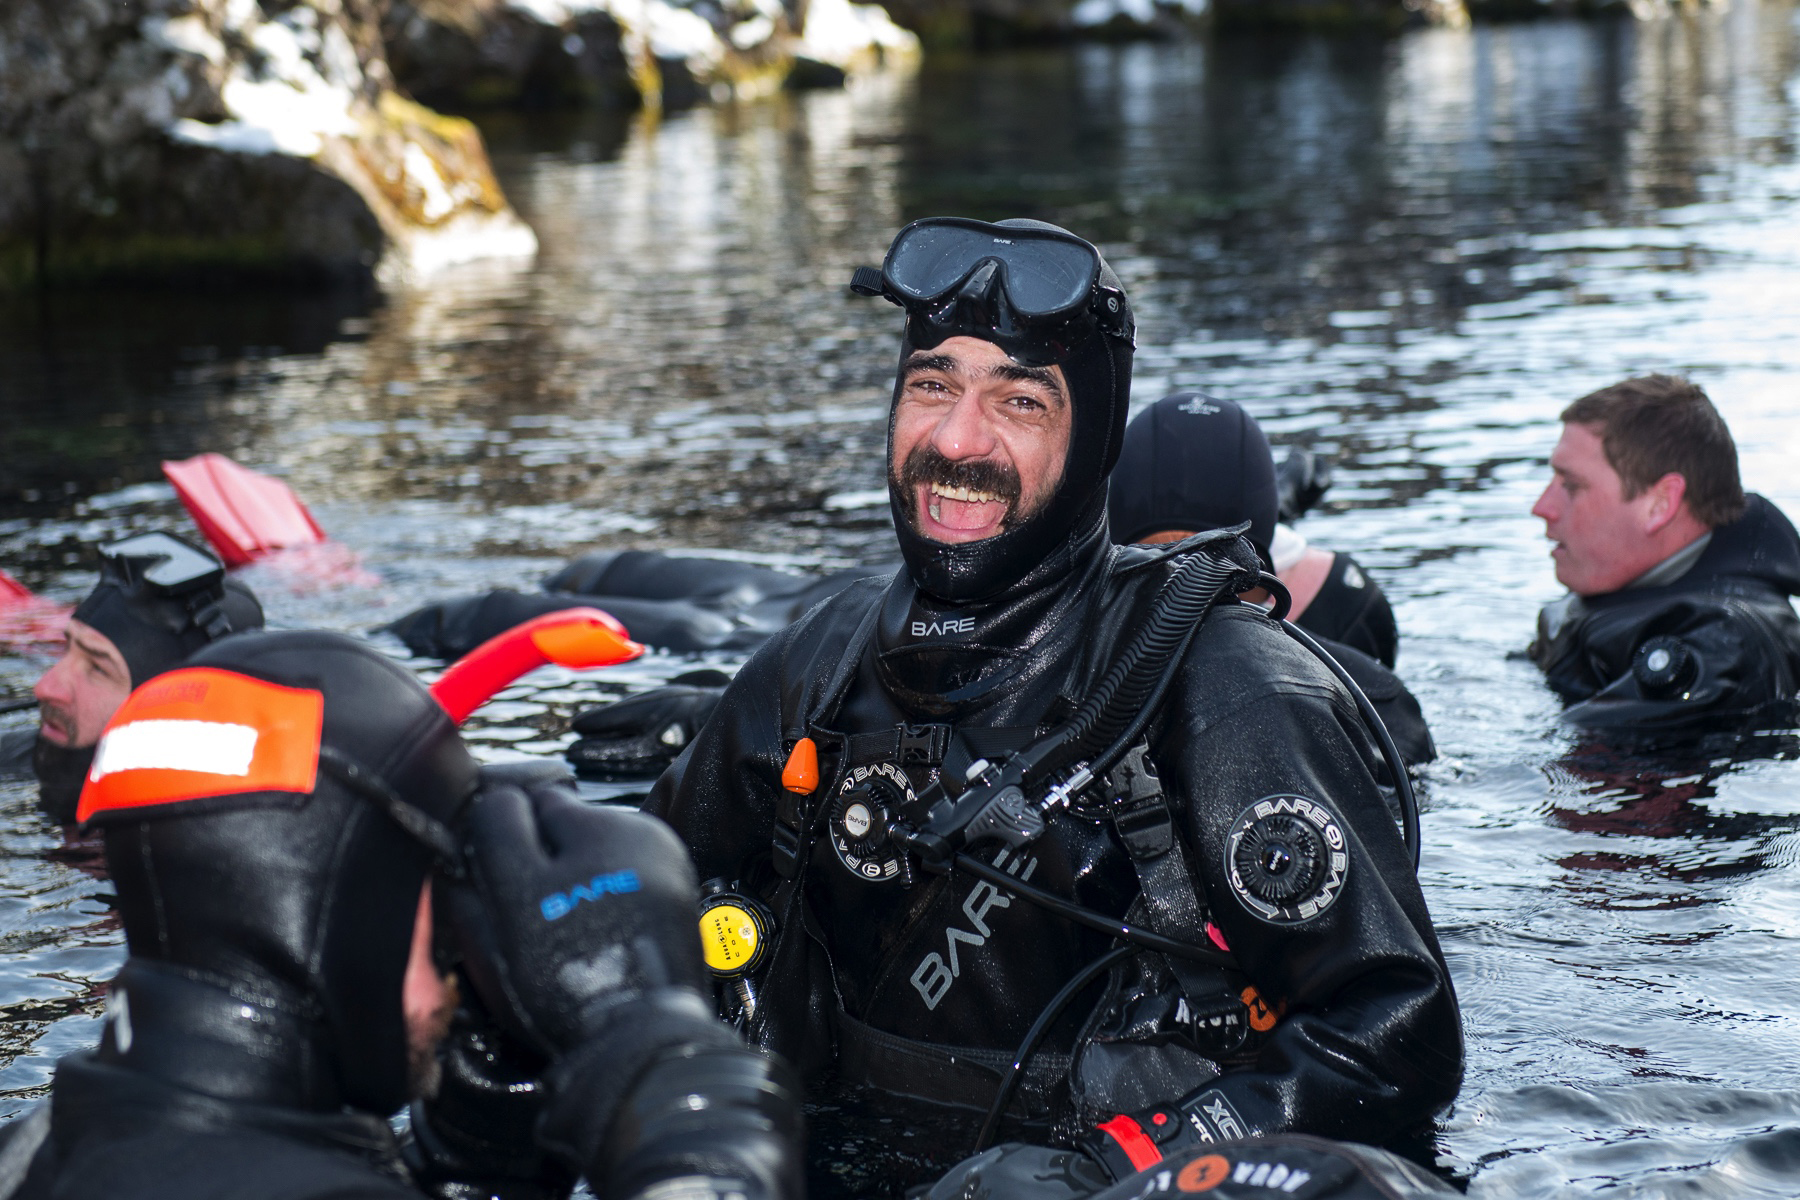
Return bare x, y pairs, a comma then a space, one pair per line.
1071, 911
1121, 706
1409, 803
1035, 1035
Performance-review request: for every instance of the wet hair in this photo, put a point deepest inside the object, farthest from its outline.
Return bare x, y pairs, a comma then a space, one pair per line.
1653, 425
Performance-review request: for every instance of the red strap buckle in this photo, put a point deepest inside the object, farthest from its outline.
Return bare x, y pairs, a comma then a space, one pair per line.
1133, 1140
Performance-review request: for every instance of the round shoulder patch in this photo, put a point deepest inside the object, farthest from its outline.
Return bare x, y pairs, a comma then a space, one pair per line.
1286, 858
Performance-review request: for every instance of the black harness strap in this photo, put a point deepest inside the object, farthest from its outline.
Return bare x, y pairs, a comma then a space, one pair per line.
793, 812
908, 745
1169, 903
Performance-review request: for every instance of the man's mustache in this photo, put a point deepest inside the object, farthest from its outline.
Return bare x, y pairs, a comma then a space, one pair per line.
925, 466
58, 718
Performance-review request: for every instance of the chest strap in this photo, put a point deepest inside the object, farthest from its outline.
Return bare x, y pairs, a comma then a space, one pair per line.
1213, 1009
908, 745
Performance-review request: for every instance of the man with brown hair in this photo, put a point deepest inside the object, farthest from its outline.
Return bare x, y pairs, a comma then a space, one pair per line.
1678, 580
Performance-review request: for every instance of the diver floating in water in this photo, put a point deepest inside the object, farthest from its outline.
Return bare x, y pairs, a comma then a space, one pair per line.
159, 599
1677, 616
673, 602
1018, 799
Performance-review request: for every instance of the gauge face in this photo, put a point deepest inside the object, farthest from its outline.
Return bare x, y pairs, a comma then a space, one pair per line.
866, 802
731, 937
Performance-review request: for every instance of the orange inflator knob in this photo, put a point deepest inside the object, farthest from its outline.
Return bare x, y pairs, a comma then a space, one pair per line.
801, 774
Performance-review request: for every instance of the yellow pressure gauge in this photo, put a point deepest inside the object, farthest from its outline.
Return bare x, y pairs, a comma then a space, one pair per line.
734, 933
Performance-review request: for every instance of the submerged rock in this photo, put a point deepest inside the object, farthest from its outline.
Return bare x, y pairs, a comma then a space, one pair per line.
473, 54
228, 138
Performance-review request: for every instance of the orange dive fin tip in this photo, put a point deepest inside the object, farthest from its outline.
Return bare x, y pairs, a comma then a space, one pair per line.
801, 774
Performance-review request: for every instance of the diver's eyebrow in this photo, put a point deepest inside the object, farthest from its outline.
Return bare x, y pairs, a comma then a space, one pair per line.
1018, 373
921, 361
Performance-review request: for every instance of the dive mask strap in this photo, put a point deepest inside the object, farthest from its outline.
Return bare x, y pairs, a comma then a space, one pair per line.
424, 828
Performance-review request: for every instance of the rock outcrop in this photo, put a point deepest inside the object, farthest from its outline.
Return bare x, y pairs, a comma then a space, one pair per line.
475, 54
229, 138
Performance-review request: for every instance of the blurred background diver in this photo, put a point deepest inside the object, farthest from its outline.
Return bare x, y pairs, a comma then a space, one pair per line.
159, 599
1678, 614
1193, 462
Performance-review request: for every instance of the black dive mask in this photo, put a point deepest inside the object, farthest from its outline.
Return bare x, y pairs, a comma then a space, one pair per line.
160, 598
1032, 289
1046, 298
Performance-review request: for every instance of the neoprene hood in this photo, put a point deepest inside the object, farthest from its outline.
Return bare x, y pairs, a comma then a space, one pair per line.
153, 627
267, 891
1194, 462
1098, 371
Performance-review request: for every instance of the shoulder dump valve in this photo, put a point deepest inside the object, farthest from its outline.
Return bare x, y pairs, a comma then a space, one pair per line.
1665, 665
801, 774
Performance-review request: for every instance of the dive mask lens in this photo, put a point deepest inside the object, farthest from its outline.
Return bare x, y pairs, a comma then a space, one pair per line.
168, 564
1046, 274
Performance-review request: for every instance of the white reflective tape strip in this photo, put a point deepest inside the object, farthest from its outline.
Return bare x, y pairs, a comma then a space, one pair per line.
211, 747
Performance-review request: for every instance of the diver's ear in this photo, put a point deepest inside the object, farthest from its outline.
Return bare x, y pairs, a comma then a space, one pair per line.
1666, 500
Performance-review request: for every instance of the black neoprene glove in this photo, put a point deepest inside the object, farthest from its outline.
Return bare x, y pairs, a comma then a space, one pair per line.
577, 930
569, 910
1133, 1142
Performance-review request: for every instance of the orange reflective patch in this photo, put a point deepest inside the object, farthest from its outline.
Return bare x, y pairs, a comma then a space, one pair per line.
1262, 1017
204, 732
1204, 1173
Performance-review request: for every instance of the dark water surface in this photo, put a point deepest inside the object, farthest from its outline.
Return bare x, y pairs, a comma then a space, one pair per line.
1408, 254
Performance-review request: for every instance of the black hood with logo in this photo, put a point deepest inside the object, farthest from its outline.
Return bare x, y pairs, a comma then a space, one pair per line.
1194, 462
966, 620
1098, 371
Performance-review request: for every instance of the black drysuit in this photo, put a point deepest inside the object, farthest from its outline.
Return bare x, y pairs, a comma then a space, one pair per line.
118, 1132
1721, 644
1370, 1044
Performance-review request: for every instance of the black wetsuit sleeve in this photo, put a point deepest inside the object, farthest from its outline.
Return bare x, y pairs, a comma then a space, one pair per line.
720, 794
1370, 1043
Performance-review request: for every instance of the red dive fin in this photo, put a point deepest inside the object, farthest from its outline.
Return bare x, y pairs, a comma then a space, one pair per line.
13, 593
244, 515
26, 619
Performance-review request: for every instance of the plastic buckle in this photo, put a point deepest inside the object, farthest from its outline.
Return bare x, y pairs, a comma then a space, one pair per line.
1139, 811
1217, 1027
922, 745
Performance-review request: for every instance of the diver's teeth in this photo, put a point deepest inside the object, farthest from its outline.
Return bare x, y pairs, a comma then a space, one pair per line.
936, 511
966, 495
